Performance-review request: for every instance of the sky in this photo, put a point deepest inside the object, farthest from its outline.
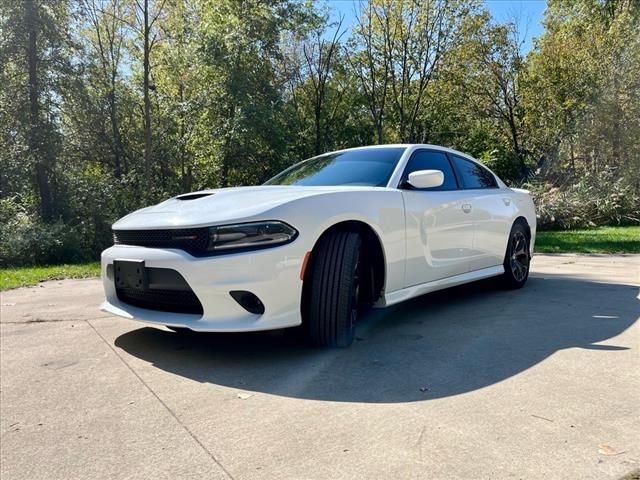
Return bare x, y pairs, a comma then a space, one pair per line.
527, 13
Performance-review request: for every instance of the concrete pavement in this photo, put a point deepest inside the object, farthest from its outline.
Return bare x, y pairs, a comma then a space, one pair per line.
474, 382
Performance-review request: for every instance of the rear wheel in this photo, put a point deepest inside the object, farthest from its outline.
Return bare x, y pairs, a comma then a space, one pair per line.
517, 258
331, 306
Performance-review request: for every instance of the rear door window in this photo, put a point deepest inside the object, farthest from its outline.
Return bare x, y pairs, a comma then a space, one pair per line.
473, 175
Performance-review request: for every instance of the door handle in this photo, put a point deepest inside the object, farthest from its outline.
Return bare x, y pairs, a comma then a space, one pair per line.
507, 201
466, 207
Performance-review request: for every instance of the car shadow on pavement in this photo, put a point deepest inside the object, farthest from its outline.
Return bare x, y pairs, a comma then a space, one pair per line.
442, 344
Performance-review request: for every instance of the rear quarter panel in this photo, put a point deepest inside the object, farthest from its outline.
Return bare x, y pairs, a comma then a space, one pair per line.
526, 209
494, 213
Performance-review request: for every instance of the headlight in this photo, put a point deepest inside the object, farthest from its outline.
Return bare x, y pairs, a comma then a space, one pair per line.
250, 235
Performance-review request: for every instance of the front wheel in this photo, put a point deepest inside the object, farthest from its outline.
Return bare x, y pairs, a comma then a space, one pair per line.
331, 308
517, 258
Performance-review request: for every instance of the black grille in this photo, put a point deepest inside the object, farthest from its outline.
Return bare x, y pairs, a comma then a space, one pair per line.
177, 301
192, 240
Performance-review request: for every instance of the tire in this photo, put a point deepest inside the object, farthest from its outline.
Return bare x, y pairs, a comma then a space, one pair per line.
331, 307
517, 258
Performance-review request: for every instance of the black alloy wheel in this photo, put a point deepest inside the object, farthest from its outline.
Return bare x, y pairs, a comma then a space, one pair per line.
517, 258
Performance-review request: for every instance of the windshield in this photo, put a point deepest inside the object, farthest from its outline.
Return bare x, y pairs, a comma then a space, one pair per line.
367, 167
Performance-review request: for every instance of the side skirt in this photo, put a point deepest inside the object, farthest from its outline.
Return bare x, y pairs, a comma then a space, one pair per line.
417, 290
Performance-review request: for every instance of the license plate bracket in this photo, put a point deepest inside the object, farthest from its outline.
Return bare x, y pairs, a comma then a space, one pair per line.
130, 274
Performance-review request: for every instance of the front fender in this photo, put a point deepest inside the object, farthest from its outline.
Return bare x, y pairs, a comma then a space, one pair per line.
381, 209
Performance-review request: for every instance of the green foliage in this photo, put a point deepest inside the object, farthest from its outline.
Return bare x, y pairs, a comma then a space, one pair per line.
501, 160
27, 240
239, 90
593, 200
582, 96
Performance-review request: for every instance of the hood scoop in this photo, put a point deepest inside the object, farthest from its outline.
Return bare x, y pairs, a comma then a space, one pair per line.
193, 196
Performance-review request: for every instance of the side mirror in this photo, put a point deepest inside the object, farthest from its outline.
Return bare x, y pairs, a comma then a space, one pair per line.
426, 178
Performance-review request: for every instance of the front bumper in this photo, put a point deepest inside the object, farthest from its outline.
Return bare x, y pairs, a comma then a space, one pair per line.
273, 275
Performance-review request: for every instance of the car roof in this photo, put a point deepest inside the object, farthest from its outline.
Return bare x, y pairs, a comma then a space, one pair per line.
415, 146
412, 146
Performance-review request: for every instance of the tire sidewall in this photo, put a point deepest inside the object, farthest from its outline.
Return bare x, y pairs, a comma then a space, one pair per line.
328, 307
509, 278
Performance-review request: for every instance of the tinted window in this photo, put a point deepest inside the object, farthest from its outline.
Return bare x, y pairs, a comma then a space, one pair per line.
369, 167
473, 175
426, 160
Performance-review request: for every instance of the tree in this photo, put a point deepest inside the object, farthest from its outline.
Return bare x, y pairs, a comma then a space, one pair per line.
109, 105
35, 58
399, 47
499, 71
146, 14
181, 96
582, 92
240, 51
106, 39
370, 63
319, 56
309, 64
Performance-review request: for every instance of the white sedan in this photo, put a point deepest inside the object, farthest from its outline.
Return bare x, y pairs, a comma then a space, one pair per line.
319, 242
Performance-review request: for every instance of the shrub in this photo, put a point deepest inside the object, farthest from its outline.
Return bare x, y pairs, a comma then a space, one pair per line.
26, 240
593, 200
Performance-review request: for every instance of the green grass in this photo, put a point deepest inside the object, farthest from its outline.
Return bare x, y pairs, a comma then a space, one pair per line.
597, 240
25, 276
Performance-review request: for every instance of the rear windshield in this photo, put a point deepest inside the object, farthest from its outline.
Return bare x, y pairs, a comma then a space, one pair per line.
367, 167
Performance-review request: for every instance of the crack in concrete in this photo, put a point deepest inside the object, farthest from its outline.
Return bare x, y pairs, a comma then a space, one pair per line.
51, 320
171, 412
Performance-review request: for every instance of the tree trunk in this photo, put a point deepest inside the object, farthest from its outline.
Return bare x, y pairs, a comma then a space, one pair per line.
317, 119
185, 163
117, 140
516, 146
35, 129
147, 104
224, 170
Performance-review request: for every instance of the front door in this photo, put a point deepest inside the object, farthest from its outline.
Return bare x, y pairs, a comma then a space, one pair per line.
439, 227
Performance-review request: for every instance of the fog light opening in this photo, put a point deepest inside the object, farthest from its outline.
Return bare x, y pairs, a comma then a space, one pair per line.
248, 301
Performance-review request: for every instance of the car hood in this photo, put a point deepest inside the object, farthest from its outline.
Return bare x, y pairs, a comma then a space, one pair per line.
219, 206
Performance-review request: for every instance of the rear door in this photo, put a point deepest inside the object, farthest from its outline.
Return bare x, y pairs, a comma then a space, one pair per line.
439, 228
491, 212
